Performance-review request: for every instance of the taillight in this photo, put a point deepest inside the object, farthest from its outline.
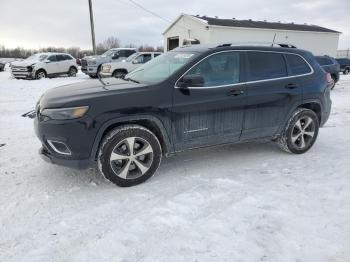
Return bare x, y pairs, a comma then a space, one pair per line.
329, 78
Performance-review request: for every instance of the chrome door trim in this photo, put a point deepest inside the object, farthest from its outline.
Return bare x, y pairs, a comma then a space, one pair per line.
248, 82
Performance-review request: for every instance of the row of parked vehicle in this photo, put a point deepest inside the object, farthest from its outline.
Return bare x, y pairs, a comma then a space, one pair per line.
334, 66
118, 62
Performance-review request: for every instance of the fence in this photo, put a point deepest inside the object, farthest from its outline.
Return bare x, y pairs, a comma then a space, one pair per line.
343, 53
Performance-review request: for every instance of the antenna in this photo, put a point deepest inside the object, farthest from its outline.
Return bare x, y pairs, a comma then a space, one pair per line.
273, 40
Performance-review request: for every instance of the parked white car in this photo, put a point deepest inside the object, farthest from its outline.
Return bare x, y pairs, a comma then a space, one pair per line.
120, 69
43, 65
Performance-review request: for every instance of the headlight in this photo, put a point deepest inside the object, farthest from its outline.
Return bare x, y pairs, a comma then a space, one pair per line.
106, 68
65, 113
91, 62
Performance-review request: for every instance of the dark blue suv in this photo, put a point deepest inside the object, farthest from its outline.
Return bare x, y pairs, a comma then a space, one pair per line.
190, 97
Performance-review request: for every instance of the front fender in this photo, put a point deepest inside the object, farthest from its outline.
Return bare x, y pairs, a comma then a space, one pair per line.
131, 119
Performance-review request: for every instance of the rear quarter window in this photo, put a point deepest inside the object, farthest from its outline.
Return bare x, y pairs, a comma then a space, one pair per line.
266, 65
324, 61
297, 65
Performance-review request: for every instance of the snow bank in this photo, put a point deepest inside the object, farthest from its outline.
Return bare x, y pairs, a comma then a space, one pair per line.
247, 202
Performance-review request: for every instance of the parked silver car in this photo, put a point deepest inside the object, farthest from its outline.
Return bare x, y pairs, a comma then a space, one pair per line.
91, 65
120, 69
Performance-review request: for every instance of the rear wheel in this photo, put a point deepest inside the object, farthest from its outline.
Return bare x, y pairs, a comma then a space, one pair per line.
40, 74
346, 71
129, 155
72, 71
301, 132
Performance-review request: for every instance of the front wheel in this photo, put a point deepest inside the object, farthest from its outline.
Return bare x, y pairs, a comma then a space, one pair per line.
129, 155
40, 74
346, 71
300, 133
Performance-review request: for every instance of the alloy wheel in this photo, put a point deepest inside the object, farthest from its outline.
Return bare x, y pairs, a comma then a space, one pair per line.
303, 132
41, 75
131, 158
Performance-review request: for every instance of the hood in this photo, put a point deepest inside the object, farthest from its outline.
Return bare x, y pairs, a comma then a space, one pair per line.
25, 62
91, 57
73, 94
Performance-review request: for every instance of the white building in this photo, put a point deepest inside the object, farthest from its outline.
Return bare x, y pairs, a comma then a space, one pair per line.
207, 30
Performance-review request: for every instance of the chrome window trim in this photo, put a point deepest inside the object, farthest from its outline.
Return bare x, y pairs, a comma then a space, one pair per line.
247, 82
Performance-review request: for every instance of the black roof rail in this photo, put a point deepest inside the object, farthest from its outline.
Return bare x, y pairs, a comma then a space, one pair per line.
272, 44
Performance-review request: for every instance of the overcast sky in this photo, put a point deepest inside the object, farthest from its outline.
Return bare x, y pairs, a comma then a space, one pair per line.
41, 23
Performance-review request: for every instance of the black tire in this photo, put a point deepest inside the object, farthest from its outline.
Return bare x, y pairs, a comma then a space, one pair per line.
93, 76
72, 71
290, 133
346, 71
40, 74
114, 143
119, 74
334, 81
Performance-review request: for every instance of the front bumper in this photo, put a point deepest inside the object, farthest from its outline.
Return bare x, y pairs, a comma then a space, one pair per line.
89, 70
78, 136
105, 74
22, 74
77, 164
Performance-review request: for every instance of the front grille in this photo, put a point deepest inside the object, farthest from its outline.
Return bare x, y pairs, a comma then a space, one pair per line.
19, 69
83, 63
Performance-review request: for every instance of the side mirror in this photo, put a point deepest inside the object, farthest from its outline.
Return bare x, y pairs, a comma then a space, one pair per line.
135, 61
115, 56
191, 81
47, 61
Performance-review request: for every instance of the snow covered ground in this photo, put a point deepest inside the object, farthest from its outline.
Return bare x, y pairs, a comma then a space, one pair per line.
247, 202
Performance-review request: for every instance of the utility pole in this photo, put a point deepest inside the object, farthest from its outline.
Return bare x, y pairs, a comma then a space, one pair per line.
92, 28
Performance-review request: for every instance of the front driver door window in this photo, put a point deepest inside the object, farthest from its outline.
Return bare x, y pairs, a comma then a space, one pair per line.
213, 113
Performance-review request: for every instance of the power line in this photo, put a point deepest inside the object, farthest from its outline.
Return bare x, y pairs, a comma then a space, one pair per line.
149, 11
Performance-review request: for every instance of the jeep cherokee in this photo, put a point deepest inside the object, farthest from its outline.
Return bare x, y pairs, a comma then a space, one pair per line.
187, 98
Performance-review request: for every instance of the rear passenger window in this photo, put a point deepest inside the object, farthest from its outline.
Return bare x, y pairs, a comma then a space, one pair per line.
60, 58
67, 57
297, 65
266, 65
218, 69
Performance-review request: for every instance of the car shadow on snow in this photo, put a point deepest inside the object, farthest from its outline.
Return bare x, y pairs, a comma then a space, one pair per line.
199, 161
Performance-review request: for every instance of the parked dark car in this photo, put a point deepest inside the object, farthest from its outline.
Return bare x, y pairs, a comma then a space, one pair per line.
187, 98
330, 65
2, 66
344, 65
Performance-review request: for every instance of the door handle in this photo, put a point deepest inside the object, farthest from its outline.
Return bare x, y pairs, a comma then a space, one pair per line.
292, 86
235, 92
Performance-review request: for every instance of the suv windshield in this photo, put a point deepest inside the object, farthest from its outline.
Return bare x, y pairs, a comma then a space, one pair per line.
130, 58
108, 53
39, 57
161, 67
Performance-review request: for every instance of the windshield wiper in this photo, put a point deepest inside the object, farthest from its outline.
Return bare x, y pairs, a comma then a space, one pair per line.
132, 80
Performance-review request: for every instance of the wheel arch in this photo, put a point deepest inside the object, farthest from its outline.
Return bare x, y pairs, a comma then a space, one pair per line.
154, 124
314, 105
124, 70
73, 67
40, 69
